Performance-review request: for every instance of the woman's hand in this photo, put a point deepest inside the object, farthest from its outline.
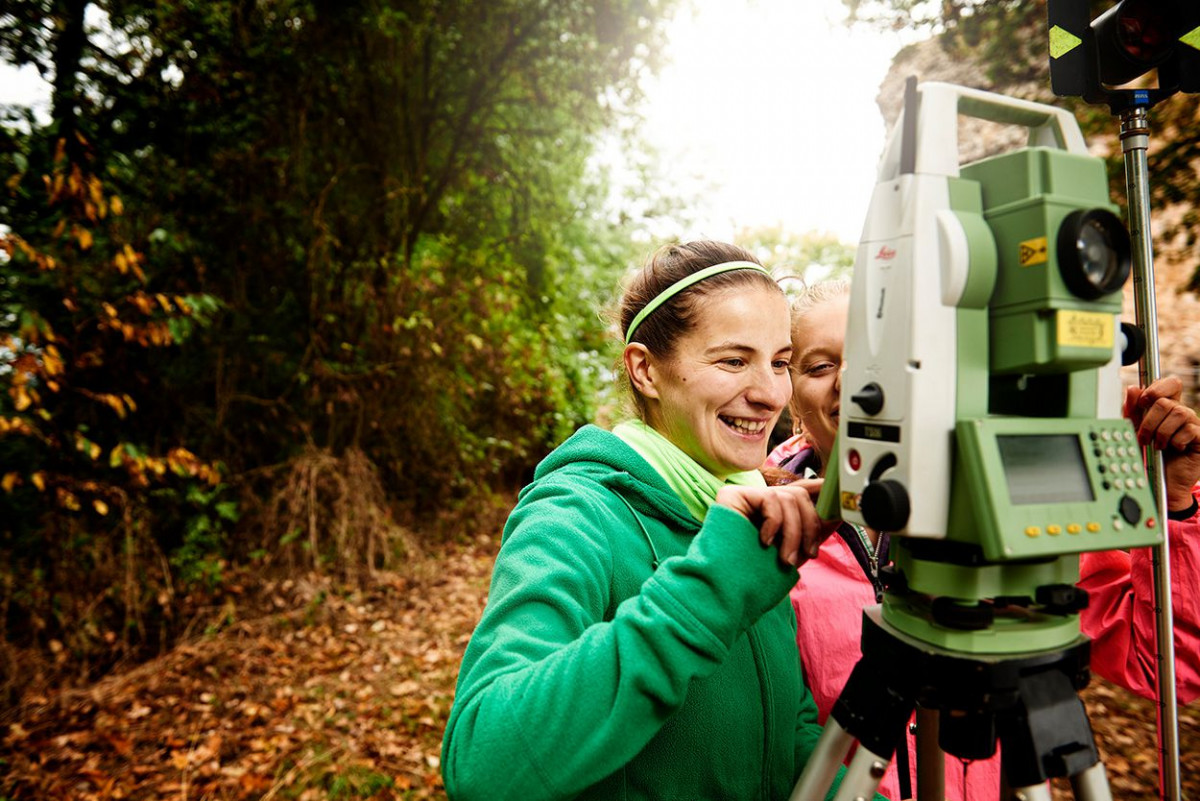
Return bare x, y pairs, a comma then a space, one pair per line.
784, 514
1164, 422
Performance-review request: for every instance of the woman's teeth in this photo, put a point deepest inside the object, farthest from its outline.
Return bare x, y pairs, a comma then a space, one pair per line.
745, 426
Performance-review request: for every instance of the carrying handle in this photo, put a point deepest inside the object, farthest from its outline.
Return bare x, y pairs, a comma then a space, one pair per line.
932, 141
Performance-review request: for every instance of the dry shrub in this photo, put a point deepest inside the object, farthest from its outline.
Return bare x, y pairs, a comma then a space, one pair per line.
91, 600
330, 514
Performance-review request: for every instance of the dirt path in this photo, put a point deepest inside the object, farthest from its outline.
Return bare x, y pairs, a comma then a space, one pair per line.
343, 696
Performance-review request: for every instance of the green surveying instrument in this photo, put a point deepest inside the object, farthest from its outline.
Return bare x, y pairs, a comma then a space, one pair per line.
980, 426
980, 416
983, 425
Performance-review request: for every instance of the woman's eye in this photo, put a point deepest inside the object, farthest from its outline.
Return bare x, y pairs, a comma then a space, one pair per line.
735, 362
820, 368
781, 364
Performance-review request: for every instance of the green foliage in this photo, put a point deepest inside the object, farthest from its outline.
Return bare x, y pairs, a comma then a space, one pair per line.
277, 241
400, 164
199, 558
84, 307
356, 781
809, 257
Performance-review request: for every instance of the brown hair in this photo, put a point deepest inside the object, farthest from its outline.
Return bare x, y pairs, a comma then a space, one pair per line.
661, 331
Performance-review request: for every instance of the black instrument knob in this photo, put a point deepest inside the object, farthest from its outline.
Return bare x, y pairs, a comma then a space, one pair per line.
962, 615
1134, 346
869, 398
1061, 599
1131, 510
885, 505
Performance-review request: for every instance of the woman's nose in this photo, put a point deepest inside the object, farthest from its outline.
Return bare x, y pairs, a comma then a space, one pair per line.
770, 388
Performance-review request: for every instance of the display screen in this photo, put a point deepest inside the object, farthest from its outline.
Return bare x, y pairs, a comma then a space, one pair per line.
1044, 469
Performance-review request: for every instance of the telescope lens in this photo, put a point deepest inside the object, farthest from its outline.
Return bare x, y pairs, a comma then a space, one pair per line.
1093, 253
1096, 255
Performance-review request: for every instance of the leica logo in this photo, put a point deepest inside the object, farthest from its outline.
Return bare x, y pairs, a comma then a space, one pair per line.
885, 253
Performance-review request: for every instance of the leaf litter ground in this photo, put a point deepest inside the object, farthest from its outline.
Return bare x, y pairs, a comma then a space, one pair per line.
325, 694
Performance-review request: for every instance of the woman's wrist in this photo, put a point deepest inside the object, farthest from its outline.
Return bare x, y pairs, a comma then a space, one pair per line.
1181, 509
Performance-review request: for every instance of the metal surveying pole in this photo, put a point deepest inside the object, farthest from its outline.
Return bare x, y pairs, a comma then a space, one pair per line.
1104, 60
1135, 140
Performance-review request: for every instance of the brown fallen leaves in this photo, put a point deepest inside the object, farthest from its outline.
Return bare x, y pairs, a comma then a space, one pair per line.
331, 695
1124, 725
327, 694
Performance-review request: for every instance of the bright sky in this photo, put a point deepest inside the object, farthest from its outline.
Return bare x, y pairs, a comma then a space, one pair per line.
767, 111
764, 112
23, 87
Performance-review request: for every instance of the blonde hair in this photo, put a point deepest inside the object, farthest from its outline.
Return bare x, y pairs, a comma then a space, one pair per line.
803, 302
811, 296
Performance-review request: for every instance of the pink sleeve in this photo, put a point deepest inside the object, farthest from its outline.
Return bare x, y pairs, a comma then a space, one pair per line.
1120, 616
784, 450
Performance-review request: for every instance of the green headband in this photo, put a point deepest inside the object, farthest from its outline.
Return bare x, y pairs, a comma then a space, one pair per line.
683, 283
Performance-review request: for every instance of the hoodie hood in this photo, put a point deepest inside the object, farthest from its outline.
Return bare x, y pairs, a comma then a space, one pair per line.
592, 452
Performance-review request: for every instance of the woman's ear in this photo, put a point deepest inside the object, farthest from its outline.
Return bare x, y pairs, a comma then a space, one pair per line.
640, 367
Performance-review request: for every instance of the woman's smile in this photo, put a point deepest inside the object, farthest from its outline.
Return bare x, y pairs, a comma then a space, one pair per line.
745, 427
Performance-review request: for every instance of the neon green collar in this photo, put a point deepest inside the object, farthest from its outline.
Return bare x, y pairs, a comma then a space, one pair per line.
694, 485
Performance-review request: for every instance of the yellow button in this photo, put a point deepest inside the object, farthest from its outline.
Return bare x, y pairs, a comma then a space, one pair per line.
1053, 529
1032, 531
1093, 527
1073, 528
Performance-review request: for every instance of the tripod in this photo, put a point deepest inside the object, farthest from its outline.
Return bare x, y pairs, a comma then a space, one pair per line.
1028, 702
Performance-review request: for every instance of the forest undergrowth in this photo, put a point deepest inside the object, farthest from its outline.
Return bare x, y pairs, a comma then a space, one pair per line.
316, 692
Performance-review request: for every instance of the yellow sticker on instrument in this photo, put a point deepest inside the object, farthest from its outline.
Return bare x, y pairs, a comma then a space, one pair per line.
1032, 251
1192, 38
1084, 329
850, 501
1062, 42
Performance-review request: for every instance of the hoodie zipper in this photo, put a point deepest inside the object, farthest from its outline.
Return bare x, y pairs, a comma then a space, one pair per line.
872, 556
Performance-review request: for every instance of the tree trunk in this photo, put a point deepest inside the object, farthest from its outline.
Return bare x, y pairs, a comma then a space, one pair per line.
69, 41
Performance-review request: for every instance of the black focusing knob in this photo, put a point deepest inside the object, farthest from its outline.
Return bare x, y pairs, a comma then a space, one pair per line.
1135, 344
869, 398
1131, 510
885, 505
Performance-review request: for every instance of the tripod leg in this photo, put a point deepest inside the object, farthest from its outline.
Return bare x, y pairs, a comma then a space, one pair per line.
1091, 784
822, 767
1035, 792
931, 761
873, 709
863, 775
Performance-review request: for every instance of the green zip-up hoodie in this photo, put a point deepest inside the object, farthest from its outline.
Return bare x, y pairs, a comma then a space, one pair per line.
626, 651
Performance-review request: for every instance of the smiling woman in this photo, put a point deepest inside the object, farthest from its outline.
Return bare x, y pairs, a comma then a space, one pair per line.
717, 386
644, 573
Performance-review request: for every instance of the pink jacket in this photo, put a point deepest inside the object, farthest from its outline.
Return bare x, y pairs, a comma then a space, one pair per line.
832, 592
